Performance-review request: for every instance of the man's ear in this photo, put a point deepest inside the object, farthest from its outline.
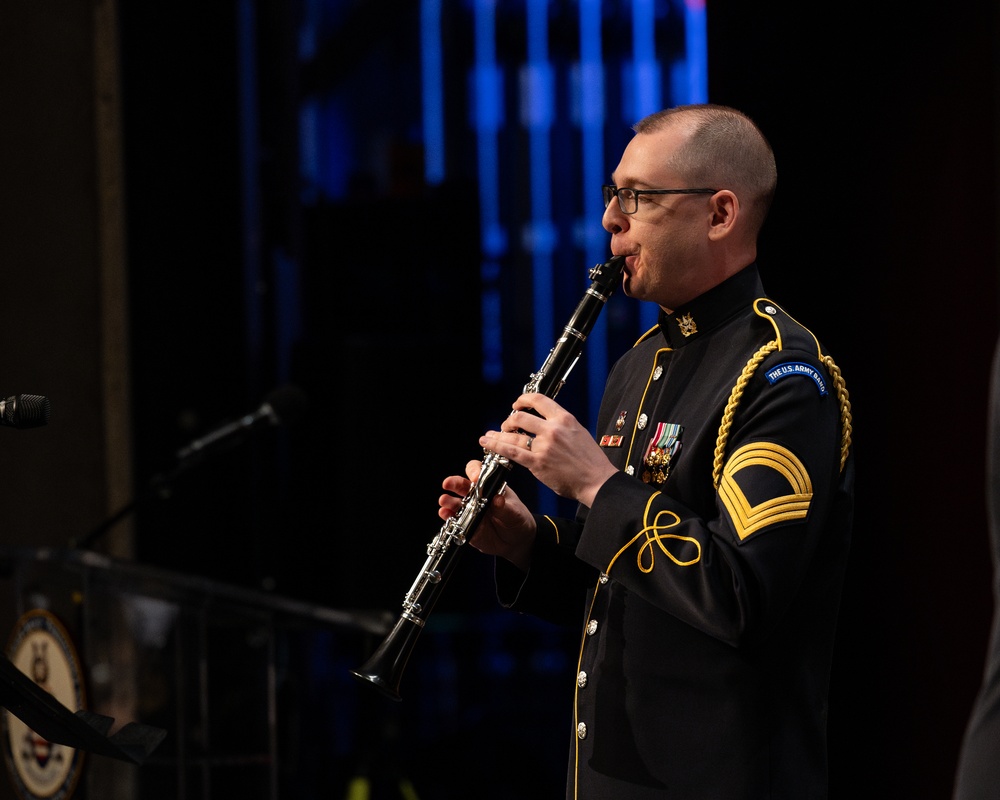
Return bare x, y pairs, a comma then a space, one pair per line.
725, 212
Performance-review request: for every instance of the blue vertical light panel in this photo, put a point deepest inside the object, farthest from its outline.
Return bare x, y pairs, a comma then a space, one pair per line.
537, 103
487, 107
696, 44
645, 80
537, 111
590, 118
432, 91
250, 159
646, 93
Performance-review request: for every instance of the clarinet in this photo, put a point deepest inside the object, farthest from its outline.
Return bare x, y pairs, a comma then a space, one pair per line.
384, 669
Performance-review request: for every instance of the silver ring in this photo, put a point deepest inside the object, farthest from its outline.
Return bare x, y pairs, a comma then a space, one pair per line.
527, 444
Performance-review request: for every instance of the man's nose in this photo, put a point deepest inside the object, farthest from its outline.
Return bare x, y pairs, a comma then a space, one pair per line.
614, 221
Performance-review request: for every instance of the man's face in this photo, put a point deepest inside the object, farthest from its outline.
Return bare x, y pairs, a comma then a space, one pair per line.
665, 241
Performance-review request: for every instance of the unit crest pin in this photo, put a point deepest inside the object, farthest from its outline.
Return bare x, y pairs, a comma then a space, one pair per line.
687, 325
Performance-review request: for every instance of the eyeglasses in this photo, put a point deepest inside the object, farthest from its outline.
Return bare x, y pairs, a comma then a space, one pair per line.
628, 199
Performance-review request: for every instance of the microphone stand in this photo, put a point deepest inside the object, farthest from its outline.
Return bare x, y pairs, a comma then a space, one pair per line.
159, 487
283, 405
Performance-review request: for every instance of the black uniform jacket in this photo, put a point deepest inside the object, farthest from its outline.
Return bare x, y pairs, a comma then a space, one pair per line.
709, 569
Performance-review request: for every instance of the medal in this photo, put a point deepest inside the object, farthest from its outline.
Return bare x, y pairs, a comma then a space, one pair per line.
663, 447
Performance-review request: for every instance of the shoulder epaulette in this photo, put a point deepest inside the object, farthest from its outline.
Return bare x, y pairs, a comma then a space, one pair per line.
791, 334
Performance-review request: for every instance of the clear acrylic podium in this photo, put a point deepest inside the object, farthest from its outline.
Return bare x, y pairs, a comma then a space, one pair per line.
223, 670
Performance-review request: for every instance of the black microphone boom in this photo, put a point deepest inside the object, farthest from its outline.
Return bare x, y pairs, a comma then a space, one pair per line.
24, 411
281, 406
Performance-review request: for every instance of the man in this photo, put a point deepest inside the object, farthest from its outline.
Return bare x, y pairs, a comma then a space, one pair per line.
715, 505
978, 773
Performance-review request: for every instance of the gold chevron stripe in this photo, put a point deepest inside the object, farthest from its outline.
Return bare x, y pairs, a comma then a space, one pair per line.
749, 519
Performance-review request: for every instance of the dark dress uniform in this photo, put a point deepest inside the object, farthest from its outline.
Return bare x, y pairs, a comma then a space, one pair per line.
710, 568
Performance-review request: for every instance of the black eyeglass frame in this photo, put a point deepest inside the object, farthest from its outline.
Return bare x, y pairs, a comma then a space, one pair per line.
609, 191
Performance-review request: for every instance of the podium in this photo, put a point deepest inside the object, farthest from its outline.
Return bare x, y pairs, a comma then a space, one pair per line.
193, 689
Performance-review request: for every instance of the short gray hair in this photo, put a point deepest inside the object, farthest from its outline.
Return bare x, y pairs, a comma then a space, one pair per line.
724, 150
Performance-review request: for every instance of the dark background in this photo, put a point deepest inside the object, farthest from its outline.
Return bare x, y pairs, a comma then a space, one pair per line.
883, 239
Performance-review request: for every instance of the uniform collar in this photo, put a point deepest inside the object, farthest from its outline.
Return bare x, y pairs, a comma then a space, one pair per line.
709, 310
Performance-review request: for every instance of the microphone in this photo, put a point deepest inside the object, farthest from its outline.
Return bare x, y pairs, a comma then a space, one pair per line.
24, 411
283, 405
